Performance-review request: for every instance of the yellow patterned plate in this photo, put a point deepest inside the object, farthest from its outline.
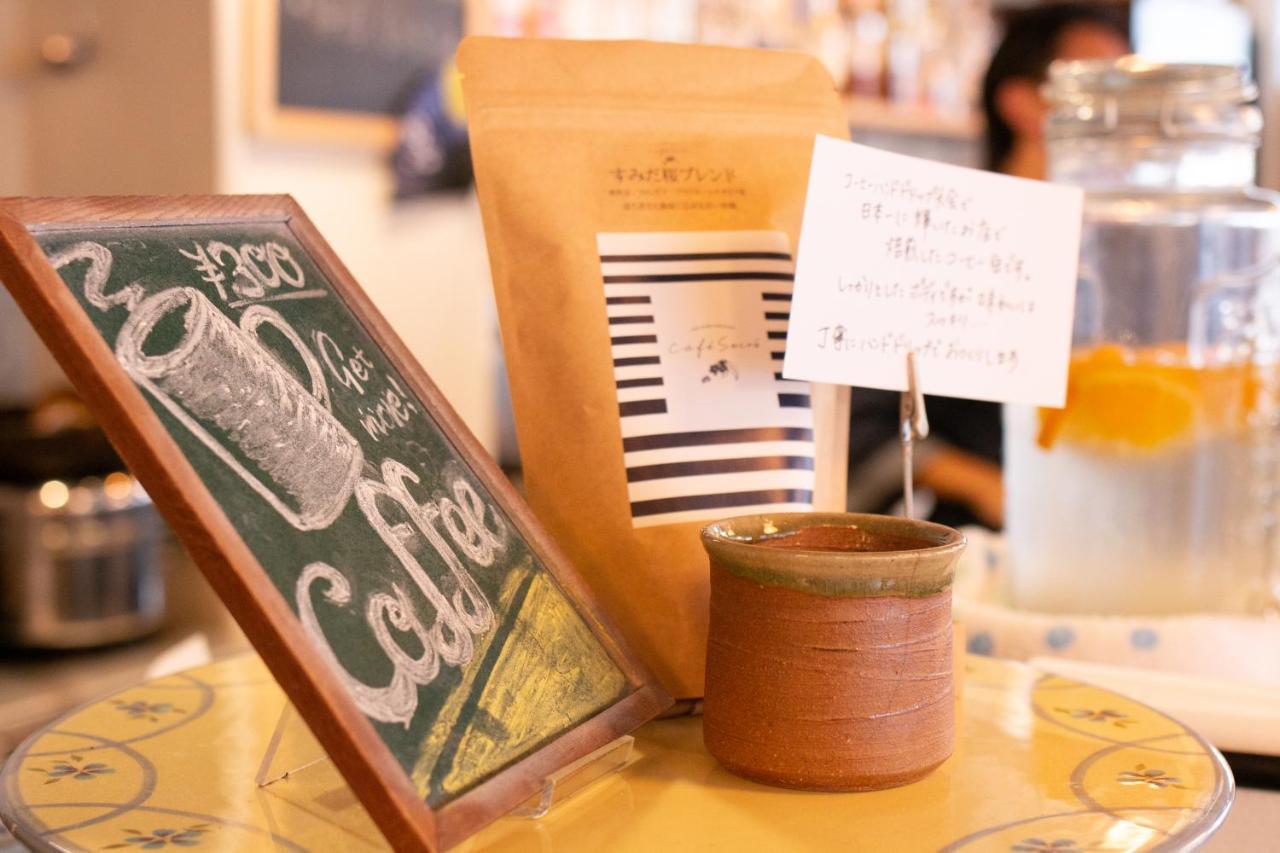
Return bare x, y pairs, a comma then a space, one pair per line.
1043, 765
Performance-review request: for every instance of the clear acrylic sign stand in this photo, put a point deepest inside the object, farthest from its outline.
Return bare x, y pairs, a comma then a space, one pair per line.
295, 775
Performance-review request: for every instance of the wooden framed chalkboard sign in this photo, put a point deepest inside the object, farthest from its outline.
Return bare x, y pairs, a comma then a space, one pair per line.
344, 70
434, 640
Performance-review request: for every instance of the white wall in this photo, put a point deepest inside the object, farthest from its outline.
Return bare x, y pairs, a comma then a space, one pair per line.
423, 262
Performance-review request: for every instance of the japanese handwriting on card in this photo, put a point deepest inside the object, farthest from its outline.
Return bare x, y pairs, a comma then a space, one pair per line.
974, 272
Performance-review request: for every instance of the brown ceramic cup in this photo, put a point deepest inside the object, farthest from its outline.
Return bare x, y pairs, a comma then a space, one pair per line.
829, 661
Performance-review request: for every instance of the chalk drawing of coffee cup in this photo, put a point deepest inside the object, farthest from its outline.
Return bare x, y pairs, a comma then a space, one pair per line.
243, 403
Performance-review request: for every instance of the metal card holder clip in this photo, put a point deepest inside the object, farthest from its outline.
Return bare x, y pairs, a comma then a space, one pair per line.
913, 426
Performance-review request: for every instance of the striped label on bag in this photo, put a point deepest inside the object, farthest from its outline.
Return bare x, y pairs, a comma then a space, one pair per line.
698, 322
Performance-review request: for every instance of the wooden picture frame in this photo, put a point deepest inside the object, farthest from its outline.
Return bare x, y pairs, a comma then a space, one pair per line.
152, 449
271, 118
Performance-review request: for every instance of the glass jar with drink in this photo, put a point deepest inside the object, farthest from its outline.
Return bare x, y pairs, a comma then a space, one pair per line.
1154, 490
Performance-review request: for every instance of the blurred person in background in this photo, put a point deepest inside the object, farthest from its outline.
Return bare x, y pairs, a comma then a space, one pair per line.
957, 468
1011, 100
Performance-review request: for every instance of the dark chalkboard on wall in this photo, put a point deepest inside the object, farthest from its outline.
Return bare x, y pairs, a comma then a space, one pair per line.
404, 597
344, 69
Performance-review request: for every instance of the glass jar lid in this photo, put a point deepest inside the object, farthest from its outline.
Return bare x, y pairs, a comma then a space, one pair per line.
1134, 97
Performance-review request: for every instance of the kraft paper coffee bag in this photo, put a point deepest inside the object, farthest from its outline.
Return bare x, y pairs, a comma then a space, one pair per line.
642, 207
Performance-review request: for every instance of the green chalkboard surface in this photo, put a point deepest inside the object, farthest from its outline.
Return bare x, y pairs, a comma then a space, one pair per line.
405, 571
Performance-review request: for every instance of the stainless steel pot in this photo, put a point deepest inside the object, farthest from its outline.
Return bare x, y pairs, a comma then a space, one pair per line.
80, 563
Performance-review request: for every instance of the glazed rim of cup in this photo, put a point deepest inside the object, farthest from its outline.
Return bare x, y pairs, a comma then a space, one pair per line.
746, 546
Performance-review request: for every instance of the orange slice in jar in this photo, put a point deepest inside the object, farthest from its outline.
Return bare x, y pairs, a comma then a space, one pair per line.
1141, 399
1142, 407
1114, 400
1052, 421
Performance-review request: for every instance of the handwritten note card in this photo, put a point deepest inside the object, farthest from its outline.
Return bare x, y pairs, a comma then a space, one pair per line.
973, 271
